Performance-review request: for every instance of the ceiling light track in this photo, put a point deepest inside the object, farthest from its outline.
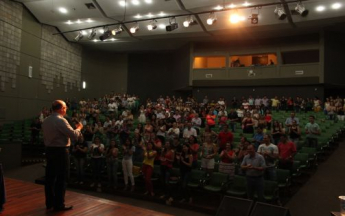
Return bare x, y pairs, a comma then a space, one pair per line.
182, 15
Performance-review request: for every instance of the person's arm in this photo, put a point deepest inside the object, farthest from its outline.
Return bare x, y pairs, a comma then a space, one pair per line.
131, 151
64, 127
190, 161
152, 155
245, 166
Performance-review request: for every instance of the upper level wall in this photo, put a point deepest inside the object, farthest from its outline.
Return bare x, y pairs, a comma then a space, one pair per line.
278, 71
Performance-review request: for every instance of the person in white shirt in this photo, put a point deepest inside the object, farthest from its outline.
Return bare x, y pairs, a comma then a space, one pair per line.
174, 131
270, 152
189, 131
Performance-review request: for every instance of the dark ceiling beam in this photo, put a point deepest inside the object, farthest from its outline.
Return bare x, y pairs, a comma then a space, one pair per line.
181, 5
288, 13
119, 22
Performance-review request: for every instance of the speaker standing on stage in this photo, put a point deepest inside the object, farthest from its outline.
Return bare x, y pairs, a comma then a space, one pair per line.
57, 134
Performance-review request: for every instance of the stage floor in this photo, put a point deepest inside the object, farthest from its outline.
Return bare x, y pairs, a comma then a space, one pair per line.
26, 199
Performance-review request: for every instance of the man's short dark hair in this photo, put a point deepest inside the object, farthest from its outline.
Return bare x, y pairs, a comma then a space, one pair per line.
311, 116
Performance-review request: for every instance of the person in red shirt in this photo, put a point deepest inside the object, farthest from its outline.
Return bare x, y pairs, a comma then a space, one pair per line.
194, 148
211, 119
226, 164
167, 160
287, 150
224, 137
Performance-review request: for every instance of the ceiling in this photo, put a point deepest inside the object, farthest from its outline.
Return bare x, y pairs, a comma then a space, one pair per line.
112, 12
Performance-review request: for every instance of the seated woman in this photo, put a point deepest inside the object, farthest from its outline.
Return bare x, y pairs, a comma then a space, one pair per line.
227, 164
149, 157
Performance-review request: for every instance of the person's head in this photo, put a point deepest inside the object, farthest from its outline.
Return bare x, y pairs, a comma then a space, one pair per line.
149, 146
59, 107
267, 139
189, 125
128, 142
97, 140
294, 122
311, 119
259, 130
228, 146
208, 139
251, 150
167, 144
186, 148
283, 138
292, 114
192, 139
225, 128
148, 122
112, 143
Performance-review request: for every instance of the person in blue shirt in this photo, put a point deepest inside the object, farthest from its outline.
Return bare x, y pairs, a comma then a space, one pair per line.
258, 138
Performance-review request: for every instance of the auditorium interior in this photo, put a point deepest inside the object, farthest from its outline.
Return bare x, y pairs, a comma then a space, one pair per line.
174, 56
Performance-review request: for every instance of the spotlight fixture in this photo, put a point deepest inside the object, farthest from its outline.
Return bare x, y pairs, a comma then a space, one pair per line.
92, 34
152, 25
280, 12
134, 28
301, 9
211, 19
254, 19
79, 36
106, 34
117, 30
173, 25
189, 21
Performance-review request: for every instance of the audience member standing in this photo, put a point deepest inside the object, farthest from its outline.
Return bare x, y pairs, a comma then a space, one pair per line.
254, 165
270, 152
313, 131
287, 150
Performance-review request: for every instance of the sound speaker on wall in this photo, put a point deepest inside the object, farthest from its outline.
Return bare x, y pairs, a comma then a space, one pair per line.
263, 209
231, 206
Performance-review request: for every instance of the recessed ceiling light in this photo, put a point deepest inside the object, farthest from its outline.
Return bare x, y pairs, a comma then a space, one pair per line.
83, 32
122, 3
148, 1
218, 7
69, 22
245, 4
138, 16
161, 26
89, 20
95, 40
78, 21
336, 6
135, 2
320, 8
101, 31
63, 10
149, 15
161, 14
232, 6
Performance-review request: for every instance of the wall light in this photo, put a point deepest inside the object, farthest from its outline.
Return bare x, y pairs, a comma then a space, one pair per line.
84, 85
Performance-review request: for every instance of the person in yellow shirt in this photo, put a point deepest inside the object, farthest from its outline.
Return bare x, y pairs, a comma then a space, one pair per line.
275, 103
148, 163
